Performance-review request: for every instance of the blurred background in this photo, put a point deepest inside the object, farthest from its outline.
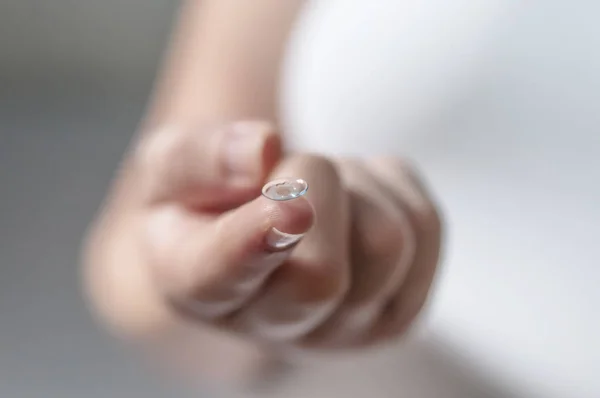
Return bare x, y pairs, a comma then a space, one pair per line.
498, 102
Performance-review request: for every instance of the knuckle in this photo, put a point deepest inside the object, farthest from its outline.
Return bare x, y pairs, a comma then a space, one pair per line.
402, 165
319, 165
410, 187
158, 150
427, 212
430, 219
393, 233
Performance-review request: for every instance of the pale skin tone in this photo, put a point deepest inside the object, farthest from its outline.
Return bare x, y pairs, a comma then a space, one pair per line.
181, 260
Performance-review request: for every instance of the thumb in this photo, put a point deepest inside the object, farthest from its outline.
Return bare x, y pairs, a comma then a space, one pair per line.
208, 168
214, 266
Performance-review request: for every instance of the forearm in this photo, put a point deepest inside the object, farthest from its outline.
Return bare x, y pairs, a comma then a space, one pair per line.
223, 63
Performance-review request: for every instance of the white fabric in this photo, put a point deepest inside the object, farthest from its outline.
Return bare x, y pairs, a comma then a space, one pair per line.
498, 102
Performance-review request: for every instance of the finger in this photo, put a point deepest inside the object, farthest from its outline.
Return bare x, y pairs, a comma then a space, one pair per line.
218, 167
405, 186
211, 266
306, 289
383, 242
382, 248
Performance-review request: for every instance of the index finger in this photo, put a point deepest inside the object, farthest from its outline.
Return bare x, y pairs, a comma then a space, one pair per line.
204, 168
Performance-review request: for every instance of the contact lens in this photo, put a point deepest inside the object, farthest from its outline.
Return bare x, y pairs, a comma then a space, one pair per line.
285, 189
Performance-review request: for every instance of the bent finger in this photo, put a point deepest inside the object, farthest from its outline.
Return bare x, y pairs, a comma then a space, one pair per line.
405, 186
382, 247
207, 167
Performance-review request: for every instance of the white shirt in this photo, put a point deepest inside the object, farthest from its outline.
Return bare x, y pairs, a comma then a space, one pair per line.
498, 102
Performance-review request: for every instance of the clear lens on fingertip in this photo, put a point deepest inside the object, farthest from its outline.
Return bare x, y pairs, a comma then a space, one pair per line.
285, 189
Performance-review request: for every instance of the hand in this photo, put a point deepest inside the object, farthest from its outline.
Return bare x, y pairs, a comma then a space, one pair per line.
187, 247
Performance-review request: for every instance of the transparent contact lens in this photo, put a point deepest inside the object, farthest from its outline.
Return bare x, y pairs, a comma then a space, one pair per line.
285, 189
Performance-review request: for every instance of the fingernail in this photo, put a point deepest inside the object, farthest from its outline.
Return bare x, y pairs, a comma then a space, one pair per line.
243, 151
278, 240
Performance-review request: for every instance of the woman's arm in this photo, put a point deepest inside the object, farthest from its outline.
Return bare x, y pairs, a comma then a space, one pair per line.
223, 63
222, 66
189, 261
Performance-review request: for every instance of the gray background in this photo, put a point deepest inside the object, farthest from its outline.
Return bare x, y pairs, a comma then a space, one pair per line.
74, 78
511, 145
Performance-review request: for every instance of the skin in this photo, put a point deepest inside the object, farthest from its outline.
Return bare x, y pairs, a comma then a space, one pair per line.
178, 260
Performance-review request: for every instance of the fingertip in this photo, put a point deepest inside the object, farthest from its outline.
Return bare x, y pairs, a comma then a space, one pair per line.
291, 217
264, 226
